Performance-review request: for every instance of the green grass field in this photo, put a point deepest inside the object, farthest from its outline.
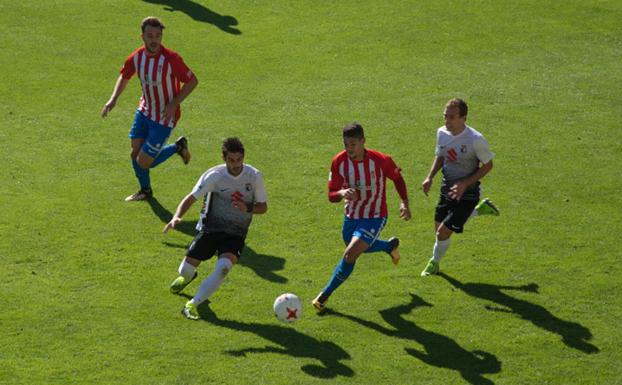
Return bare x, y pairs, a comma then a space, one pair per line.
531, 297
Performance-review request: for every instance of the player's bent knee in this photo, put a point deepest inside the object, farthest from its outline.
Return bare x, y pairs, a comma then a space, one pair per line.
144, 161
350, 257
443, 233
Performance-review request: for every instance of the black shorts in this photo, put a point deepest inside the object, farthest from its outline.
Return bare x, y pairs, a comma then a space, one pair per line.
205, 245
454, 214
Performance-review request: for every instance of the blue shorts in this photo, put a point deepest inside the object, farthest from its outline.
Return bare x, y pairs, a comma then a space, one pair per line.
365, 229
155, 134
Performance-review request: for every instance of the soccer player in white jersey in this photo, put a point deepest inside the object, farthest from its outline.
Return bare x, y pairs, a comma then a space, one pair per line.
464, 157
232, 193
358, 176
161, 72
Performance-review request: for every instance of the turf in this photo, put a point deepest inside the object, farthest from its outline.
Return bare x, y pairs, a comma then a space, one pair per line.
530, 297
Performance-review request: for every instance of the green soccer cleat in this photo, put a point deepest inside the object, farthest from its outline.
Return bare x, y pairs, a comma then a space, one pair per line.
180, 283
190, 311
486, 207
431, 268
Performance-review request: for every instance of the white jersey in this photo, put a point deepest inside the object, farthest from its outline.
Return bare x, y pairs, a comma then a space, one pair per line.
462, 155
218, 188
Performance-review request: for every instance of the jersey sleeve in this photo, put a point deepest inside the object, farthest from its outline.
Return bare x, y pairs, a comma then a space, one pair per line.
128, 70
390, 168
393, 172
180, 69
335, 182
483, 153
205, 185
260, 195
437, 148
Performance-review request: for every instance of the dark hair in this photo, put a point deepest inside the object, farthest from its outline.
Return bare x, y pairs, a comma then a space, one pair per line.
232, 144
151, 21
459, 104
353, 130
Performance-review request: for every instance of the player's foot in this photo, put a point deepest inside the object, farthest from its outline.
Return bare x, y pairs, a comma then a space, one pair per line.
319, 302
140, 195
190, 311
431, 268
180, 283
395, 254
182, 149
486, 207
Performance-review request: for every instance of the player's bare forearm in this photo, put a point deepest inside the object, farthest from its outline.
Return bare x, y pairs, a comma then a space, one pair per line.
437, 164
260, 207
479, 174
456, 191
186, 89
185, 205
116, 92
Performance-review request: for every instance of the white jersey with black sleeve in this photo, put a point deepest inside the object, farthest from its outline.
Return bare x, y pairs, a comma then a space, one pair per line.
462, 155
218, 189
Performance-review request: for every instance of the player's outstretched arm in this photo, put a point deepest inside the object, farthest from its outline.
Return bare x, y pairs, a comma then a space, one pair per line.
183, 207
437, 164
186, 89
456, 191
118, 90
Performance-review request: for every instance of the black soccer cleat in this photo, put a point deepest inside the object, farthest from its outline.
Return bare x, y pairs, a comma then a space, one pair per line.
182, 149
395, 254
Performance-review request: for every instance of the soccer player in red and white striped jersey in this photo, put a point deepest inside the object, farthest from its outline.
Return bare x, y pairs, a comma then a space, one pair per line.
358, 176
166, 81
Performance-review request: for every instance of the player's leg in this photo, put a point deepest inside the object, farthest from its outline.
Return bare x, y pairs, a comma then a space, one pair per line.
201, 248
187, 273
390, 246
155, 151
138, 134
342, 271
455, 213
229, 252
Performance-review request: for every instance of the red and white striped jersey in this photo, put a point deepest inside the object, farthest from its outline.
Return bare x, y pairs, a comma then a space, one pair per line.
368, 177
161, 76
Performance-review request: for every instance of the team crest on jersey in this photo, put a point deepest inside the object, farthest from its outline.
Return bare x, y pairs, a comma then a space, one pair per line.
463, 148
249, 187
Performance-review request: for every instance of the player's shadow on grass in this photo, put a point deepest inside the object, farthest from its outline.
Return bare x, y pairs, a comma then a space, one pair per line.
200, 13
287, 341
438, 350
573, 334
265, 266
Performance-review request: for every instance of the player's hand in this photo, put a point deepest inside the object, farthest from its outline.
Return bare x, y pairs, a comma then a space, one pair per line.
456, 191
107, 108
405, 211
171, 224
169, 111
349, 194
425, 186
239, 204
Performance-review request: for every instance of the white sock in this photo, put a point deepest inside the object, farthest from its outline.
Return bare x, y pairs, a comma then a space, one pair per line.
474, 213
440, 248
186, 270
213, 281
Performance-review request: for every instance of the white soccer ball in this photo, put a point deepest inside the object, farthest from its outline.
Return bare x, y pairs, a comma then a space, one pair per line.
287, 307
